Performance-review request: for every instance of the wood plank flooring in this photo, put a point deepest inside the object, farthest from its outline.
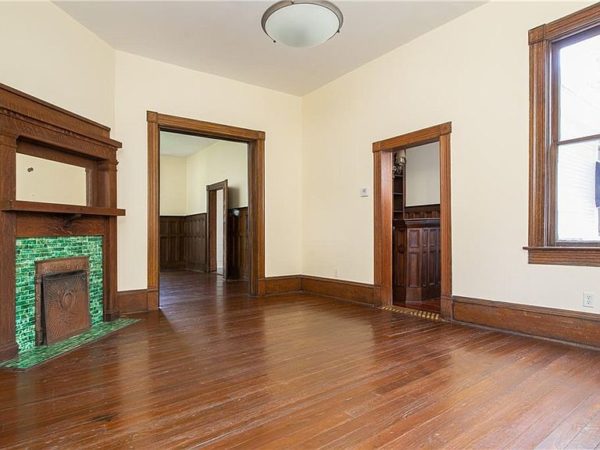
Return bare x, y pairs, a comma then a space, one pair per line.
216, 368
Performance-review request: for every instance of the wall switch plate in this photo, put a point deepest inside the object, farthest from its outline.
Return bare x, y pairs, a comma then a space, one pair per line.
588, 299
364, 192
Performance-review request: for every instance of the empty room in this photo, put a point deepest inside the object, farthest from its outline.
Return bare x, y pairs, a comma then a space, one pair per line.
300, 224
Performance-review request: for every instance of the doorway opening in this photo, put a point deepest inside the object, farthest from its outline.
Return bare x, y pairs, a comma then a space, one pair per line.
413, 253
206, 209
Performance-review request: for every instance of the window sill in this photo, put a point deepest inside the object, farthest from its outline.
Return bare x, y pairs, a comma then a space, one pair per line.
566, 256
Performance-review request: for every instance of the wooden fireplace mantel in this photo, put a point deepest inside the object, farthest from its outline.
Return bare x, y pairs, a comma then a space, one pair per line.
58, 208
34, 127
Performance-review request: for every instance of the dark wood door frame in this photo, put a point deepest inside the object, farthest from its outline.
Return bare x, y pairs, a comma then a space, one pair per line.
383, 209
211, 225
256, 192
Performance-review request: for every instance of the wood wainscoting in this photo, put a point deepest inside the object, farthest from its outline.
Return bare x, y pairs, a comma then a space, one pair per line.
194, 242
183, 243
172, 242
556, 324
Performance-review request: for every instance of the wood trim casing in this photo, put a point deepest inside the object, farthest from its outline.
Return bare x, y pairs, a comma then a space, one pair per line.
557, 324
564, 27
256, 196
542, 248
413, 139
383, 211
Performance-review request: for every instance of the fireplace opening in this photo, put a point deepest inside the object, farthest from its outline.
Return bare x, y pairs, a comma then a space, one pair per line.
62, 299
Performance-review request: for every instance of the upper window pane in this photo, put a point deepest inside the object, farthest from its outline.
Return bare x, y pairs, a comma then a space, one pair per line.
580, 88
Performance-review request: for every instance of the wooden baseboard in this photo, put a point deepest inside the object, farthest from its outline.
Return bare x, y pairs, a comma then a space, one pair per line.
569, 326
282, 285
133, 301
340, 289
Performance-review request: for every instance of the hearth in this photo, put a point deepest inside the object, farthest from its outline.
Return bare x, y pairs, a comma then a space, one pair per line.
62, 305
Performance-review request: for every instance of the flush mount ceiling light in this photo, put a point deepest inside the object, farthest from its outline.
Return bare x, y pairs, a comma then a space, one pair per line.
302, 23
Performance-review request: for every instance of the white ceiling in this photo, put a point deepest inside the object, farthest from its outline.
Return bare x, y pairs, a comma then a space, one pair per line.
225, 37
182, 145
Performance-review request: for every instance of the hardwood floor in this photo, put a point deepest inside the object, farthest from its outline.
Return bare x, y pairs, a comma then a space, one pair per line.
181, 286
225, 370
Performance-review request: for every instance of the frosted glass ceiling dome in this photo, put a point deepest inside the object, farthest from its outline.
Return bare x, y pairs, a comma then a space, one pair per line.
302, 23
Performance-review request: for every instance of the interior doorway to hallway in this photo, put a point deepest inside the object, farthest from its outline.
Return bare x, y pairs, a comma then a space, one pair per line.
196, 210
412, 245
179, 220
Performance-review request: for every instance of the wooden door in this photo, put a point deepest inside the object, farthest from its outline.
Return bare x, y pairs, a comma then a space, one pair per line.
214, 216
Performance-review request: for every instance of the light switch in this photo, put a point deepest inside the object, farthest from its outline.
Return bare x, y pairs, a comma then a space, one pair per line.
364, 192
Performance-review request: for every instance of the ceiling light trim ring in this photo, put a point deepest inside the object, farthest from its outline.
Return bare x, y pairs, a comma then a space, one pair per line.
285, 3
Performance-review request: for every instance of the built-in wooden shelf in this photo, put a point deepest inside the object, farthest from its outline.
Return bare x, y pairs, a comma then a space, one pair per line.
57, 208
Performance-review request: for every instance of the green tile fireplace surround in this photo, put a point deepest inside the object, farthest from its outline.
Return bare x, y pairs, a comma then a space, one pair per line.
31, 250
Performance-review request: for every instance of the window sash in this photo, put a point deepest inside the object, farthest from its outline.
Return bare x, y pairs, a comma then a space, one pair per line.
555, 142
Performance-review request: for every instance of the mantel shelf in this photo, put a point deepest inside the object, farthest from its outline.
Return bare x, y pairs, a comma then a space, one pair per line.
57, 208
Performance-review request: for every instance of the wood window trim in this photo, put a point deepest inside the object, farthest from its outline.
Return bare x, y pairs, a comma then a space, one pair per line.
542, 246
383, 211
256, 193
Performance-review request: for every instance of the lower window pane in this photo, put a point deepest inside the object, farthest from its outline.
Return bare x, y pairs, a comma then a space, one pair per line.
577, 211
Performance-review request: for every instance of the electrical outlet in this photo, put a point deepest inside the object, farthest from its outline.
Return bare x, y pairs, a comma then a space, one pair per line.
588, 299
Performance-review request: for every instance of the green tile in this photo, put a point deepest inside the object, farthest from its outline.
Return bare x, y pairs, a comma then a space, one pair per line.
31, 250
37, 355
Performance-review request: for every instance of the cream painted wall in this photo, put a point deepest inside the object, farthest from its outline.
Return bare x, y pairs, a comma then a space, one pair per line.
173, 186
423, 175
42, 180
183, 180
142, 84
221, 161
472, 71
46, 53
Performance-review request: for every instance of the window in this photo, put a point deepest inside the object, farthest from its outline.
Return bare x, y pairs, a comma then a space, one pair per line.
577, 85
564, 206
